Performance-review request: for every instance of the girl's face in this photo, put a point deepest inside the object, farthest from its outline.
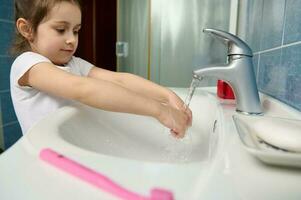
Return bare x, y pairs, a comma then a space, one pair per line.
57, 35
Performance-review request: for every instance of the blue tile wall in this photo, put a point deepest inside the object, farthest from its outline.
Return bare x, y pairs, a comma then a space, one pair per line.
9, 124
276, 43
253, 32
291, 61
8, 114
292, 32
272, 23
6, 9
272, 76
7, 30
12, 134
255, 64
4, 72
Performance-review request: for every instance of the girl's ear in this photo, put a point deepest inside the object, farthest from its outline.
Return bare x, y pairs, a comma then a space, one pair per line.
25, 29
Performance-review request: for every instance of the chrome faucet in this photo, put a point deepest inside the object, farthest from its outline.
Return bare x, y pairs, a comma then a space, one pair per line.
238, 72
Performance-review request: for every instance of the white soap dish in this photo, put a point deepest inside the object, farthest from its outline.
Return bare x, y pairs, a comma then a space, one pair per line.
276, 151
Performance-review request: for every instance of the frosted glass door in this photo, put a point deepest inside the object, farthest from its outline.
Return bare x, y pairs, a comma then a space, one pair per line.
132, 31
177, 29
165, 38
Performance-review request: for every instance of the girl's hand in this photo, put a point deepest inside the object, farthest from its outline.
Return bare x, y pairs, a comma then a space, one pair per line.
176, 102
174, 119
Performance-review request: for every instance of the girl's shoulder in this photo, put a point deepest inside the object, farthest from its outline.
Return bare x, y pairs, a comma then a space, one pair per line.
30, 54
25, 61
29, 57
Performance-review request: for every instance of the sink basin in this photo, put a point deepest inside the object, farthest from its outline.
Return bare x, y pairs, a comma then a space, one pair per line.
138, 153
133, 136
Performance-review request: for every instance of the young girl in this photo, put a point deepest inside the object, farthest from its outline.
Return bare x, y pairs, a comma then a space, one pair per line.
46, 76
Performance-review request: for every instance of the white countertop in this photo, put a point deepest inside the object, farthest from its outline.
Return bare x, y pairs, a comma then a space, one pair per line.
236, 174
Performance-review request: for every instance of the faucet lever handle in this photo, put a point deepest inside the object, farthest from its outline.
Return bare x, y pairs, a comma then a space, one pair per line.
236, 46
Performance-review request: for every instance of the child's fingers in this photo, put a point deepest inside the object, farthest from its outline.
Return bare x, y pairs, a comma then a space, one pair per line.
176, 120
189, 113
176, 134
179, 130
173, 133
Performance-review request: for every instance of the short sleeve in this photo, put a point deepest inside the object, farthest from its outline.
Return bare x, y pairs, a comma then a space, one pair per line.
23, 63
82, 66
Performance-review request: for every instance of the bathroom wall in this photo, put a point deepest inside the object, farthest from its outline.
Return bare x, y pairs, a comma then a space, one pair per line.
273, 30
10, 130
1, 131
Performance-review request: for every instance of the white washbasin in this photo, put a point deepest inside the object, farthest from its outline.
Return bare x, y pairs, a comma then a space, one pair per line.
133, 136
136, 153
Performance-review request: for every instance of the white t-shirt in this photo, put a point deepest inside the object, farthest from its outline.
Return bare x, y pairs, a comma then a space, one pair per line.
30, 104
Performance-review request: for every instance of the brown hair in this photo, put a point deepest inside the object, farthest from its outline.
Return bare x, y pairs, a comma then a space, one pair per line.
33, 11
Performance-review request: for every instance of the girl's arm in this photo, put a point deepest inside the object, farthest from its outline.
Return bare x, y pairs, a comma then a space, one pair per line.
141, 86
101, 94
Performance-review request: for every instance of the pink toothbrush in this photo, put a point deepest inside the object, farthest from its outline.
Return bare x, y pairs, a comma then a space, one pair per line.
98, 179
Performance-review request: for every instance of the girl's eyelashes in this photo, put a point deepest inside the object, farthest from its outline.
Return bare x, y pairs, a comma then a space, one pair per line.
60, 30
63, 30
76, 32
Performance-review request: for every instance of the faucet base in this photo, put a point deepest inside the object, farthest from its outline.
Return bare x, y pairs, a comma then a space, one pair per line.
250, 113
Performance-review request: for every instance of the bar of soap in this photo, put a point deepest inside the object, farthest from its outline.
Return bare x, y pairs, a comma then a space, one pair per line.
282, 133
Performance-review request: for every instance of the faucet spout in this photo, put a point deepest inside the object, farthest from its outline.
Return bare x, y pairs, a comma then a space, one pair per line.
214, 71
